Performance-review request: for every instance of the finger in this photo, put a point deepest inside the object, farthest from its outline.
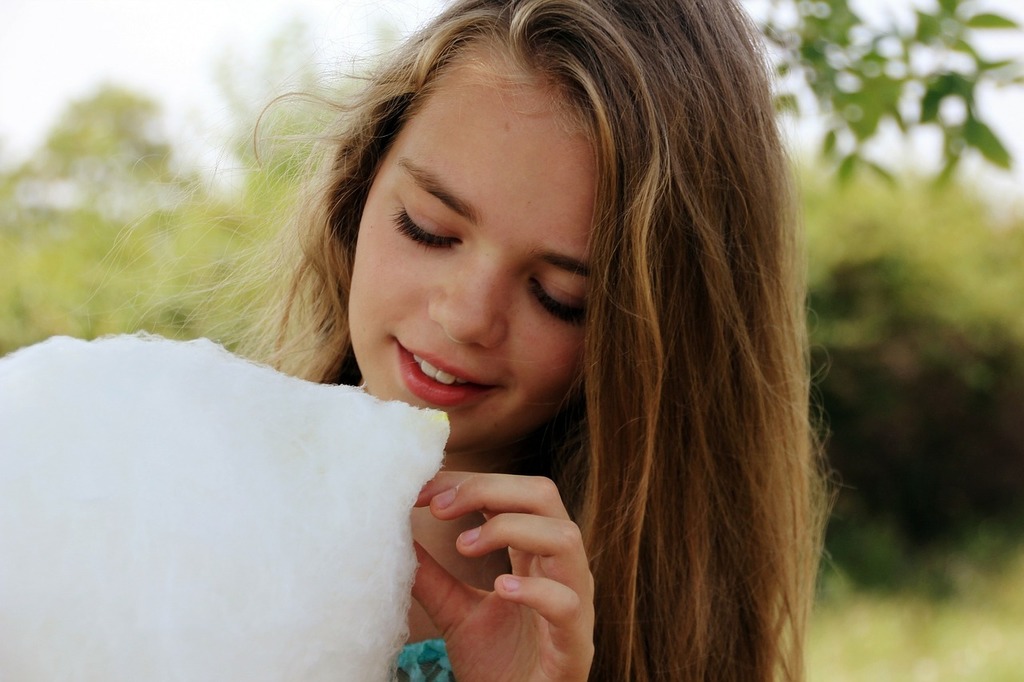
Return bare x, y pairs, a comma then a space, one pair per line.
494, 494
539, 535
553, 601
557, 543
571, 617
445, 599
442, 481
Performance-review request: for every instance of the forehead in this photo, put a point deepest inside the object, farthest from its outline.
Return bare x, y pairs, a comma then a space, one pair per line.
500, 140
495, 67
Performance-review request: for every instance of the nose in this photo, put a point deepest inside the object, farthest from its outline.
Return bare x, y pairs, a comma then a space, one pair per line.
472, 307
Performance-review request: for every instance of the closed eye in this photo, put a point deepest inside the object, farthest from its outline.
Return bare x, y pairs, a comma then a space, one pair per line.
405, 225
567, 313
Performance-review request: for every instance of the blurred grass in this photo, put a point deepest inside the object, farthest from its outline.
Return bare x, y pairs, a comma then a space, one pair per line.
163, 273
199, 268
976, 635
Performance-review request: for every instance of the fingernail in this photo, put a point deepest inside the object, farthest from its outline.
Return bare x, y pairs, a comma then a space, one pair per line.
470, 536
445, 499
510, 583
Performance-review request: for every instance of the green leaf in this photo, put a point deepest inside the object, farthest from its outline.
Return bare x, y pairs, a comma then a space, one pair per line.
951, 83
984, 65
828, 145
787, 103
982, 138
991, 21
868, 113
900, 121
928, 28
847, 167
962, 45
948, 169
930, 105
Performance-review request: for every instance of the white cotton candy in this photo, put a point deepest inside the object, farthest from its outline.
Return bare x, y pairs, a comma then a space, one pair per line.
169, 511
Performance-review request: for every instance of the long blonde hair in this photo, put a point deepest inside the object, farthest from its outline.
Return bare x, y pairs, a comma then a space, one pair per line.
692, 469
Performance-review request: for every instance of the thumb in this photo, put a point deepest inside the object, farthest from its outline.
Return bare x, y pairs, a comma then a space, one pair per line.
445, 599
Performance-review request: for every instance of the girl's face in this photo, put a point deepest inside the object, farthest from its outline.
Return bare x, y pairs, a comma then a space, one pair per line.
470, 268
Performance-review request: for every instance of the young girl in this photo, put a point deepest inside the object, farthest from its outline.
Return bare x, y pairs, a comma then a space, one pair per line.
567, 223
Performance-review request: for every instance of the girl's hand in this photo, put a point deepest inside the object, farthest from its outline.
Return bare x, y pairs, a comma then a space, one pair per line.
538, 623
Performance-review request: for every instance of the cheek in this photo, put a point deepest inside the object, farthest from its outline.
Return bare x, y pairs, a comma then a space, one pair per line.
562, 362
376, 271
359, 291
368, 276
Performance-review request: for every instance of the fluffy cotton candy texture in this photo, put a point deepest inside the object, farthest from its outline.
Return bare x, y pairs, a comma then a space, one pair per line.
169, 511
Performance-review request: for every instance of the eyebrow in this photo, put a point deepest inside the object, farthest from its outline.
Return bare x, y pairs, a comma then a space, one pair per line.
431, 184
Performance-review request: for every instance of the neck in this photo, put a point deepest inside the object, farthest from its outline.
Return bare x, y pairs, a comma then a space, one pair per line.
492, 461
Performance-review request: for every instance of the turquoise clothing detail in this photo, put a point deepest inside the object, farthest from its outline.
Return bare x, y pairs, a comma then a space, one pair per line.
425, 661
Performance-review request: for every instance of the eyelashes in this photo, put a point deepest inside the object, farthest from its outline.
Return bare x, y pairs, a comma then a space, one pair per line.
567, 313
405, 225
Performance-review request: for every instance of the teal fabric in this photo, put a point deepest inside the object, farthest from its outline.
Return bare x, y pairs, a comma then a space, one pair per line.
424, 662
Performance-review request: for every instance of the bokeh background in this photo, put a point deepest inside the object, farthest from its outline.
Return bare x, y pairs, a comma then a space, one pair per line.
136, 192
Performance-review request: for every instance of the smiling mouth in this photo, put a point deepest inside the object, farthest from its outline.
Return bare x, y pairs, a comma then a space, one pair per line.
436, 374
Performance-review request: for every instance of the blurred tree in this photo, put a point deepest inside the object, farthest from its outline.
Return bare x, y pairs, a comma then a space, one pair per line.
921, 70
918, 338
107, 153
101, 231
112, 133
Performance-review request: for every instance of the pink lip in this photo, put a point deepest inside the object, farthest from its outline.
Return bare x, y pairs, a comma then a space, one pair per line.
434, 392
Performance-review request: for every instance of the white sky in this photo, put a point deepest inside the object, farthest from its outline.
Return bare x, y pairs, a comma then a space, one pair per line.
52, 51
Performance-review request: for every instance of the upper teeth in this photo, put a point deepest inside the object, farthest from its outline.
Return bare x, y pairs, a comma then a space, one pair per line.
437, 374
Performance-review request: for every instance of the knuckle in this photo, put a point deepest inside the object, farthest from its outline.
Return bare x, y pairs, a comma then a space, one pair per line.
569, 536
497, 524
571, 607
547, 490
575, 605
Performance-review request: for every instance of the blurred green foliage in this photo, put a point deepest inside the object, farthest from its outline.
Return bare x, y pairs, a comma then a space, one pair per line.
95, 239
973, 635
918, 68
103, 230
917, 322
